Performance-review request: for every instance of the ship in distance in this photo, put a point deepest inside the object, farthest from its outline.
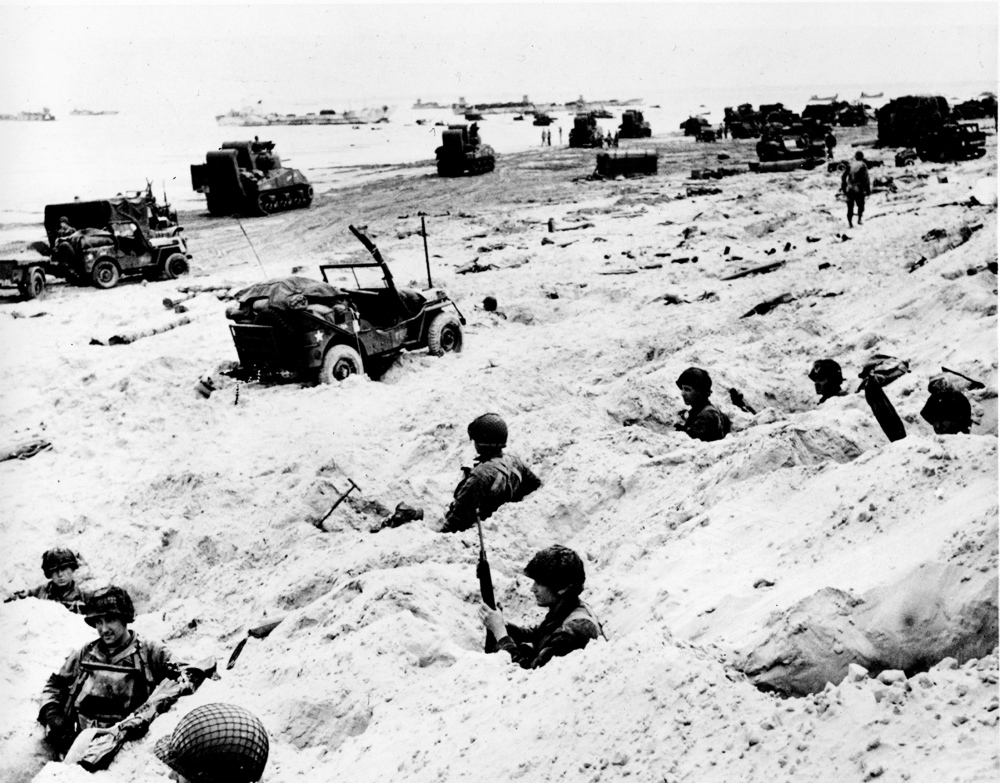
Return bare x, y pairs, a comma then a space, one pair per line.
251, 118
31, 116
89, 113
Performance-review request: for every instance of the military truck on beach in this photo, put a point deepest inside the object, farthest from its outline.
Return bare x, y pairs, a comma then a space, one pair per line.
926, 123
585, 131
247, 178
634, 126
462, 152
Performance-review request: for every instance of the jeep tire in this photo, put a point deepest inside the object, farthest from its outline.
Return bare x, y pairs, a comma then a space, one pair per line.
175, 266
34, 285
340, 362
444, 335
105, 273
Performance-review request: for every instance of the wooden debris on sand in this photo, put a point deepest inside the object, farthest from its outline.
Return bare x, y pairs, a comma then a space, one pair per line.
24, 449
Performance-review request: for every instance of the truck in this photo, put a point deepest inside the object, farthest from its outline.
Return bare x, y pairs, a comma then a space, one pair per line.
585, 131
462, 152
634, 126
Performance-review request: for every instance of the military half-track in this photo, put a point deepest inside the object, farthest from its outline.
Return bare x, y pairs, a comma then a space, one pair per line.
585, 131
246, 177
462, 152
634, 126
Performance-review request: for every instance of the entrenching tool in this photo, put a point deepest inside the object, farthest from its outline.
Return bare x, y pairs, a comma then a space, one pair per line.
337, 502
972, 384
260, 632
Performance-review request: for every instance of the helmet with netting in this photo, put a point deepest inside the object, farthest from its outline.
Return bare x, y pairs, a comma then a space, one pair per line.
107, 601
489, 430
57, 558
216, 743
557, 567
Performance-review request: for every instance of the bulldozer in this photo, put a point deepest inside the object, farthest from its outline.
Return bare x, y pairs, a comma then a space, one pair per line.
247, 178
462, 152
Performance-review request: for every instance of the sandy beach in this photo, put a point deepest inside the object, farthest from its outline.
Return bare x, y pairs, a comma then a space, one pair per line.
804, 552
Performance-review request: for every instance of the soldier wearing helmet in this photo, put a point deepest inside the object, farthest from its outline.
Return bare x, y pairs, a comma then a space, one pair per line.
947, 410
65, 229
496, 478
826, 375
703, 421
558, 576
107, 679
216, 743
59, 566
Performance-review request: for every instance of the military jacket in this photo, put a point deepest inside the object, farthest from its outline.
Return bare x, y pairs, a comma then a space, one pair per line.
568, 626
73, 599
98, 688
491, 483
706, 423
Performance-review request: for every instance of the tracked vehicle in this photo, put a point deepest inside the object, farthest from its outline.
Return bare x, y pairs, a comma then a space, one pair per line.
585, 131
634, 126
247, 178
462, 152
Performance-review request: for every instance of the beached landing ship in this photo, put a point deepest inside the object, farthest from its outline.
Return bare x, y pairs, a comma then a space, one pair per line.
462, 152
246, 177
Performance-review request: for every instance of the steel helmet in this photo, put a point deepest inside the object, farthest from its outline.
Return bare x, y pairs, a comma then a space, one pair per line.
557, 567
697, 379
489, 430
216, 743
826, 370
109, 600
58, 558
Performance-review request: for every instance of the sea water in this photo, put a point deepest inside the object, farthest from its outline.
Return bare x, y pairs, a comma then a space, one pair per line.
94, 157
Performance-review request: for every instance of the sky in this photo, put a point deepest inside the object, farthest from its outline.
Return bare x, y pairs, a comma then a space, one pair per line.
234, 54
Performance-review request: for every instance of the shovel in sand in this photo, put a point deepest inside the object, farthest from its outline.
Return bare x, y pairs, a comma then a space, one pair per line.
260, 632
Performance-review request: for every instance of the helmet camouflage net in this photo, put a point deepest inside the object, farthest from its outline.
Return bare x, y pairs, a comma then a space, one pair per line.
489, 430
557, 567
109, 601
216, 743
57, 558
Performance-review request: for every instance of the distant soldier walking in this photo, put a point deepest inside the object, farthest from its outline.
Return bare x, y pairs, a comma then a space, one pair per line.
856, 184
831, 142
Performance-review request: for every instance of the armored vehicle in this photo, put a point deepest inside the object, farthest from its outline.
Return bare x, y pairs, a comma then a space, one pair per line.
952, 141
304, 328
743, 122
634, 126
692, 126
462, 152
246, 177
542, 119
110, 239
585, 132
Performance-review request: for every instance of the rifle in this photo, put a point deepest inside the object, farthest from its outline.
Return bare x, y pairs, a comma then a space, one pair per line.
95, 748
485, 586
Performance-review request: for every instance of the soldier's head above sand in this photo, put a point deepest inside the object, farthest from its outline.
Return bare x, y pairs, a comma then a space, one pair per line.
488, 432
695, 385
827, 376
